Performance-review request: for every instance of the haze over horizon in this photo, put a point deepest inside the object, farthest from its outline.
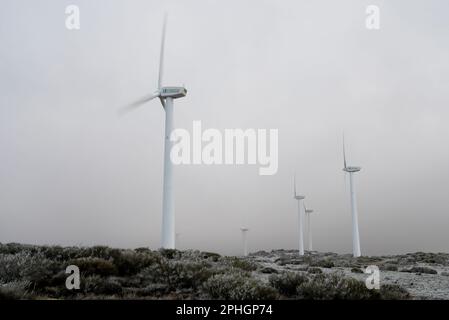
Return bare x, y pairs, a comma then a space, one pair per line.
74, 173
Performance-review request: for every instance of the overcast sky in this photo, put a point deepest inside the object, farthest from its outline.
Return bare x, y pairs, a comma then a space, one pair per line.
74, 173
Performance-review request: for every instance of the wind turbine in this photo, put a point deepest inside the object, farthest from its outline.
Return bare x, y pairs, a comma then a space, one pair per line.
355, 222
300, 216
166, 96
309, 230
245, 240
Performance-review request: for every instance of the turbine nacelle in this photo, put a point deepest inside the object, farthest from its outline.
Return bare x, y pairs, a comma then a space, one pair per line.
347, 168
352, 169
309, 211
298, 197
172, 92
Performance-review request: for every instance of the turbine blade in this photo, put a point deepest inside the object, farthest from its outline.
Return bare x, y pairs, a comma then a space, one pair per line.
294, 185
161, 57
344, 152
138, 103
162, 101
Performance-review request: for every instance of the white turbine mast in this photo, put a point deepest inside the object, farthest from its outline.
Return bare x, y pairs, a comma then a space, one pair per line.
309, 228
166, 96
245, 240
299, 198
355, 222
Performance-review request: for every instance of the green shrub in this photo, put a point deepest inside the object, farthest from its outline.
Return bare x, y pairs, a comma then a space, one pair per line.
95, 266
314, 270
235, 286
268, 270
388, 267
325, 263
154, 290
211, 256
13, 248
102, 286
130, 262
329, 287
287, 282
143, 250
191, 274
240, 263
169, 253
420, 270
14, 290
11, 266
364, 260
334, 286
177, 274
393, 292
433, 258
25, 266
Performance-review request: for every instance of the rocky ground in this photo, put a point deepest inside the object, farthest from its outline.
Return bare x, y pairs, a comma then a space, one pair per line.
423, 275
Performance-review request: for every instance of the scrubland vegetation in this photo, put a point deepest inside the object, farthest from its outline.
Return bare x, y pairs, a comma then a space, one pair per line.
38, 272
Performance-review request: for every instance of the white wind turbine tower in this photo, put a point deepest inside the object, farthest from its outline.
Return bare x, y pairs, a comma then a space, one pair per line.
245, 240
309, 229
166, 96
300, 217
355, 222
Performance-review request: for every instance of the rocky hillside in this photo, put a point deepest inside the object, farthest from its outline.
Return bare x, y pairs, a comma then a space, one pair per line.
39, 272
423, 275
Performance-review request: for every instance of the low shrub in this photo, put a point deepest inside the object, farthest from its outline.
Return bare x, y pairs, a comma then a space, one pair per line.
26, 266
268, 270
334, 286
101, 286
287, 282
130, 262
330, 287
177, 274
433, 258
393, 292
239, 263
235, 286
388, 267
14, 290
169, 253
215, 257
314, 270
420, 270
356, 270
325, 263
95, 266
368, 260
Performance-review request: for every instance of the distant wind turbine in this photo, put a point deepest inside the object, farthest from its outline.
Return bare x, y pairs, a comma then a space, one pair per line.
166, 96
309, 229
355, 222
245, 240
300, 217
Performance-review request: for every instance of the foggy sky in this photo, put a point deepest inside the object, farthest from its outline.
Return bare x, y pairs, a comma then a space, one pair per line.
74, 173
